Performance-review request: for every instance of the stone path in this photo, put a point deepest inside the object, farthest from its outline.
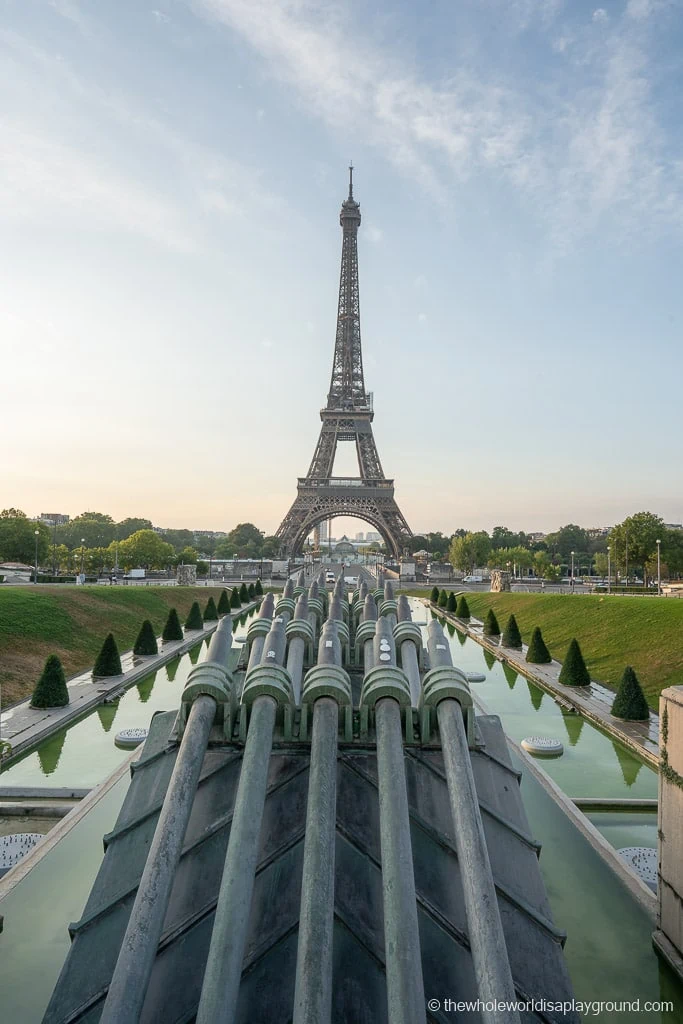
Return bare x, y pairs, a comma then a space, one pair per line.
23, 726
594, 701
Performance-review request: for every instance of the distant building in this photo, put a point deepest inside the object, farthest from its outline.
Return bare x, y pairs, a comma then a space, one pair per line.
323, 527
536, 538
674, 526
360, 537
372, 535
53, 518
599, 531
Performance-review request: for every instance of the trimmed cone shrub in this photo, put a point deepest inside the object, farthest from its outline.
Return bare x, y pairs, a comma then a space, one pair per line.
251, 590
491, 627
258, 588
194, 619
451, 603
574, 671
463, 609
443, 599
146, 642
434, 596
108, 661
223, 603
511, 635
235, 598
172, 629
630, 702
51, 691
210, 612
244, 594
537, 652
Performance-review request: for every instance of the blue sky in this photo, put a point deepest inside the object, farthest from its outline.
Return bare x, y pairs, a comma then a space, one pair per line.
170, 184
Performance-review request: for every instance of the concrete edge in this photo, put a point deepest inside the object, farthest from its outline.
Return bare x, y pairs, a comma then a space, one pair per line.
20, 870
667, 951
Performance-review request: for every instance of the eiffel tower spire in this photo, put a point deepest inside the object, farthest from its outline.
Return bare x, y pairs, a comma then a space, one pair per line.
347, 416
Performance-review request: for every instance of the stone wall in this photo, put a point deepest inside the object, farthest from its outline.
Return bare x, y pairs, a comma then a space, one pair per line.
499, 581
187, 575
669, 935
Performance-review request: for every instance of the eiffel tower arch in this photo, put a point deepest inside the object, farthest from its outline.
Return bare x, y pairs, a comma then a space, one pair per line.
347, 416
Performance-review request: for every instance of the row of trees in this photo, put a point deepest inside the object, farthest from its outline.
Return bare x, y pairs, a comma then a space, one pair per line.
632, 547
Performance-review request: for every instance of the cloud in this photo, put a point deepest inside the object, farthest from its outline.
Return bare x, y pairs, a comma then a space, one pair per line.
160, 17
373, 233
600, 15
578, 154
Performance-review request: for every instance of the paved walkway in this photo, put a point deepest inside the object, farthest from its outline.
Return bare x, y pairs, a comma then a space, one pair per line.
24, 727
594, 701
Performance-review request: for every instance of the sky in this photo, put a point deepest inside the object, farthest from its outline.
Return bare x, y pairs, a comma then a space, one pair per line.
170, 184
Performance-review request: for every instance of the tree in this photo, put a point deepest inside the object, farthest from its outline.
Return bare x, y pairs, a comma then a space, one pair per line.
51, 689
638, 534
126, 527
537, 652
146, 642
501, 537
235, 598
223, 603
434, 596
630, 703
145, 549
244, 594
491, 627
574, 671
90, 529
471, 551
443, 599
108, 660
210, 612
245, 541
270, 548
194, 619
511, 635
18, 538
258, 588
567, 539
451, 603
179, 539
463, 609
188, 556
172, 629
251, 590
519, 558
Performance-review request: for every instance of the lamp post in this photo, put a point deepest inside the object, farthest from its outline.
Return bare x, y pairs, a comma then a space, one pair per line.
572, 570
659, 569
37, 533
82, 553
609, 568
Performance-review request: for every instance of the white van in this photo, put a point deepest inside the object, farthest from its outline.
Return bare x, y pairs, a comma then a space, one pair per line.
473, 579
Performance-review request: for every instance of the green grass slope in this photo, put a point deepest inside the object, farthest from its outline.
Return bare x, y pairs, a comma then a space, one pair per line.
613, 632
72, 623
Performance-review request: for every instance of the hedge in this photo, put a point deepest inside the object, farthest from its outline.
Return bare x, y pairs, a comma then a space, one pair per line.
51, 690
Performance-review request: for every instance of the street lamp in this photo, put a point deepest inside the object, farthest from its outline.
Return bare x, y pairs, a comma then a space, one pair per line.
572, 570
659, 569
37, 533
82, 553
609, 569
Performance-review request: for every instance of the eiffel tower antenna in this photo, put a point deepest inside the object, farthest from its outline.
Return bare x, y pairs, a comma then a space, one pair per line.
347, 416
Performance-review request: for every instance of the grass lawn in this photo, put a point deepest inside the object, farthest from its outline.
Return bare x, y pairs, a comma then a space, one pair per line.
646, 633
72, 622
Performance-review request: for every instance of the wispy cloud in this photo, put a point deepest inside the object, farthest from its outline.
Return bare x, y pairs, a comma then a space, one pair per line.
584, 146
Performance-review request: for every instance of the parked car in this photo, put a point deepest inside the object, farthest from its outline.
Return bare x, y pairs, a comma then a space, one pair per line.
473, 579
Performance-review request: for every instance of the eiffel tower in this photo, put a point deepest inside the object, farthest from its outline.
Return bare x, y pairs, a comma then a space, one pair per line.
347, 416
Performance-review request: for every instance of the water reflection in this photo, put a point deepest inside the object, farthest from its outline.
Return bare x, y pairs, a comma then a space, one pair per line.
172, 669
145, 687
511, 675
194, 653
489, 658
573, 723
536, 694
628, 764
107, 713
50, 753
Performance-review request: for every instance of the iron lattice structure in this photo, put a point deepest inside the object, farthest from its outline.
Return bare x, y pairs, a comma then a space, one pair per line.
347, 416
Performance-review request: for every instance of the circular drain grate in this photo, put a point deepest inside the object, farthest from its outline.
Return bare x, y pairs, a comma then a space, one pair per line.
14, 847
643, 860
543, 746
130, 737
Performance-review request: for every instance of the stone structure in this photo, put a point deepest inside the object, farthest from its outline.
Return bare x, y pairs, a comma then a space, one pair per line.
347, 416
668, 937
186, 575
500, 580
